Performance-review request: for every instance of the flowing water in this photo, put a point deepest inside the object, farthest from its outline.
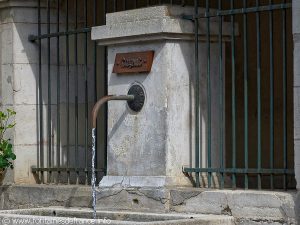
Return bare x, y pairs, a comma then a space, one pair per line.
93, 172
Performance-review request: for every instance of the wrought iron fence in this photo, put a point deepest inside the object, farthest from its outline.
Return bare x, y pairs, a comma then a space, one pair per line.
256, 120
256, 100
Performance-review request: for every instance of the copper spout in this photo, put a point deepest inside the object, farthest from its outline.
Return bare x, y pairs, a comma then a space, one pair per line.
106, 99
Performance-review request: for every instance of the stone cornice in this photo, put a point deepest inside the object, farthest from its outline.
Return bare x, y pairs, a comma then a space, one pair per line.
154, 23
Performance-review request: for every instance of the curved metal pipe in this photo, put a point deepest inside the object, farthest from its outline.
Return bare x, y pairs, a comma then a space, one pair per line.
107, 99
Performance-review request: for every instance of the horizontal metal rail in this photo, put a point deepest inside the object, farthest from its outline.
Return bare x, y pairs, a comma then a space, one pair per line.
239, 170
63, 169
33, 38
231, 12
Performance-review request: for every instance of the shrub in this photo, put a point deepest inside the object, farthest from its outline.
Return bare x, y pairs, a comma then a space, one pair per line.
6, 149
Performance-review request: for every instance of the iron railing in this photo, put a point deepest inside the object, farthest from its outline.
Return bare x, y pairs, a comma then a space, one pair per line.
255, 101
269, 64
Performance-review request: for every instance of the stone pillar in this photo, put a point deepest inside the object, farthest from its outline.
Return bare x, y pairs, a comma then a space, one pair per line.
149, 148
19, 76
296, 33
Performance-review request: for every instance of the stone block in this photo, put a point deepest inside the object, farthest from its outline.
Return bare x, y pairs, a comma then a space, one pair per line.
296, 63
245, 206
6, 43
26, 120
26, 81
296, 16
31, 196
165, 24
7, 85
26, 158
297, 113
211, 202
137, 199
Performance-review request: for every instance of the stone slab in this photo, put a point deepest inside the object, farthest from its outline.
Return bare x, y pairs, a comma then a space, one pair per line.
83, 216
166, 23
133, 181
247, 207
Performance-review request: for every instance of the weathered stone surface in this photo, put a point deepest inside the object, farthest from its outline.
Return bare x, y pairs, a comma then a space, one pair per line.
261, 222
212, 202
296, 16
178, 197
245, 205
133, 181
166, 23
138, 199
111, 217
28, 196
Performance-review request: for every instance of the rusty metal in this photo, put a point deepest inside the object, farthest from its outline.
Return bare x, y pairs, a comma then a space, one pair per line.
133, 62
107, 99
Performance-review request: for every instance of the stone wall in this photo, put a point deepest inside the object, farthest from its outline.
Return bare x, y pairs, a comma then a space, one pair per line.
19, 73
18, 66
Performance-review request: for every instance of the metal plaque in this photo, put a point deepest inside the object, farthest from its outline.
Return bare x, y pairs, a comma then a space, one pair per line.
133, 62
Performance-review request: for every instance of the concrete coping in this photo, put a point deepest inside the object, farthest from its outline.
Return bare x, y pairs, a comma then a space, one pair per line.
155, 23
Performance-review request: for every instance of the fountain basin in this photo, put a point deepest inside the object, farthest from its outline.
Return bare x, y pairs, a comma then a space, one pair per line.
59, 215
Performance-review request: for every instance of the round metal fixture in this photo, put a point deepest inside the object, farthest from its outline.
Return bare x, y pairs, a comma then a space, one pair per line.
137, 104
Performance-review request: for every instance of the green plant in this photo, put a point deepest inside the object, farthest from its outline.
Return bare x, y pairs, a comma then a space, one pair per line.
6, 149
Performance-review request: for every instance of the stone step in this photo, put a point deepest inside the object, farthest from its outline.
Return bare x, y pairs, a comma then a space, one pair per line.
59, 215
247, 207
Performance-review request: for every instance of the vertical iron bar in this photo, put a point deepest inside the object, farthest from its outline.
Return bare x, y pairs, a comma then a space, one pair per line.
95, 77
245, 26
115, 5
105, 90
124, 4
41, 162
197, 97
208, 94
271, 96
221, 92
58, 94
86, 91
284, 89
76, 92
68, 91
49, 94
258, 95
233, 97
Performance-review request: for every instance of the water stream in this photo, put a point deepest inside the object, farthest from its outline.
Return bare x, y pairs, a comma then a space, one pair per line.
93, 173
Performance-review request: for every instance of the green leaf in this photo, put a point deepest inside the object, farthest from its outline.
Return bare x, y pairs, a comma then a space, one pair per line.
11, 112
6, 148
13, 156
11, 125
